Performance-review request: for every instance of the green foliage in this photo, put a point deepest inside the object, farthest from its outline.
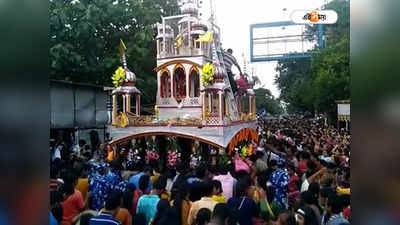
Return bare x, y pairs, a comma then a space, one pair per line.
224, 159
173, 145
315, 84
84, 39
331, 67
265, 100
294, 81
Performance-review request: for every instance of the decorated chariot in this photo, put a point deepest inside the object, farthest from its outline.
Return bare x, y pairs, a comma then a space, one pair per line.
194, 98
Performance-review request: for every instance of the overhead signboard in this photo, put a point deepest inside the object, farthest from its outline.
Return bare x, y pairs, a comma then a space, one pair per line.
344, 109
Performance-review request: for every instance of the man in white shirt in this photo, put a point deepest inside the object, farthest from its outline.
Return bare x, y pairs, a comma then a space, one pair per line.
57, 152
79, 147
325, 157
306, 183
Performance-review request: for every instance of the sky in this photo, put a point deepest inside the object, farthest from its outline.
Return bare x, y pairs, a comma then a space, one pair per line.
234, 18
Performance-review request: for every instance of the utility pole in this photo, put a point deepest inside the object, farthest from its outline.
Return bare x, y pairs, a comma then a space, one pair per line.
244, 63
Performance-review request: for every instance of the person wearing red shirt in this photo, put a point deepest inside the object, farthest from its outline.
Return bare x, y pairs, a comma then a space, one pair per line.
292, 187
73, 202
302, 164
346, 213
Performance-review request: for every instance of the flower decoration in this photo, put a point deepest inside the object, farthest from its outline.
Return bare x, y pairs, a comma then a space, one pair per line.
173, 154
118, 77
137, 156
194, 160
152, 155
243, 152
242, 84
250, 150
207, 74
130, 155
130, 158
151, 149
172, 159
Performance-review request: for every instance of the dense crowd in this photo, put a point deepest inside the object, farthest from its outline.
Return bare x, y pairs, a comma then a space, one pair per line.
298, 174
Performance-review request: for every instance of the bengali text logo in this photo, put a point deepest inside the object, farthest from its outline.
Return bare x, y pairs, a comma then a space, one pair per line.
314, 16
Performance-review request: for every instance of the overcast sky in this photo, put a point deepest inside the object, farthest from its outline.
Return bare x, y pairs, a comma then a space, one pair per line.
235, 16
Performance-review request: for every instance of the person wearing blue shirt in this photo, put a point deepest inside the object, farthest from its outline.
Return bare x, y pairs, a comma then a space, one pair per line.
113, 176
53, 220
99, 190
191, 180
147, 204
98, 186
280, 180
201, 173
135, 179
113, 179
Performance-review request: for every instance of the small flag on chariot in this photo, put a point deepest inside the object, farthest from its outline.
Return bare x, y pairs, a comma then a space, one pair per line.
207, 37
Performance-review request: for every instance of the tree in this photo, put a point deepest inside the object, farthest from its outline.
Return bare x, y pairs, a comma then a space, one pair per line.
85, 34
331, 67
265, 100
293, 80
315, 83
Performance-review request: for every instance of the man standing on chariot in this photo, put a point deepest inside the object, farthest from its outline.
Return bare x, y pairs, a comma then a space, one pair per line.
230, 60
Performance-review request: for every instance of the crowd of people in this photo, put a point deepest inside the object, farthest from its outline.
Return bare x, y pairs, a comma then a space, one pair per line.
298, 174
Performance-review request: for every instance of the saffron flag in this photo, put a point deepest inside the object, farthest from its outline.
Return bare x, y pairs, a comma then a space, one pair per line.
178, 41
207, 37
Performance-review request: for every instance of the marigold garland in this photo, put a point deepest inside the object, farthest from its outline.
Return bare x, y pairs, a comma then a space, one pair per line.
207, 74
243, 135
243, 152
118, 77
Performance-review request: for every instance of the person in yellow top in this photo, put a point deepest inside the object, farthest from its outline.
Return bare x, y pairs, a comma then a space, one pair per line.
181, 202
217, 192
204, 202
155, 176
165, 195
83, 183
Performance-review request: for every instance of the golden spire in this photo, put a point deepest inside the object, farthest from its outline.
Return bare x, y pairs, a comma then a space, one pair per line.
122, 47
